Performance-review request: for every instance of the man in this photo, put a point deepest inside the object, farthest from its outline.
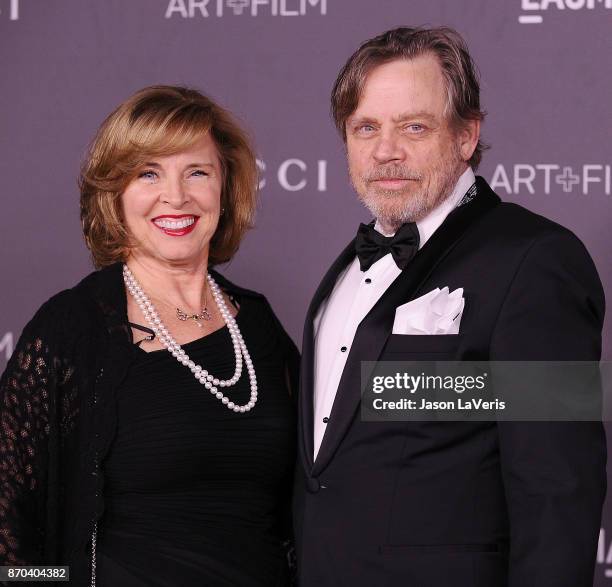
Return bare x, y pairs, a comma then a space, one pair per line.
478, 504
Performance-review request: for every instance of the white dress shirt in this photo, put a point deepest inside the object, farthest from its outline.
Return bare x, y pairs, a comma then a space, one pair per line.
353, 296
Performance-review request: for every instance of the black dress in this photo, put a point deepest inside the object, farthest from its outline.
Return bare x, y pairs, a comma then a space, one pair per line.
196, 494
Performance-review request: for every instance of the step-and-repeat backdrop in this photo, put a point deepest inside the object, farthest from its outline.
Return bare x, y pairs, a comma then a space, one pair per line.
65, 64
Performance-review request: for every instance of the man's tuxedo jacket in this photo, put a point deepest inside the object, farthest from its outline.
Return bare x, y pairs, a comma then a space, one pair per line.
462, 504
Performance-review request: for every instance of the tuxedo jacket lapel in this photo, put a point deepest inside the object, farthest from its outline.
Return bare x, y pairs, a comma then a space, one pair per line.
376, 327
305, 423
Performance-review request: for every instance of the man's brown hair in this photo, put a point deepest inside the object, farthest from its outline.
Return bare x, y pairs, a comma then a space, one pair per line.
458, 68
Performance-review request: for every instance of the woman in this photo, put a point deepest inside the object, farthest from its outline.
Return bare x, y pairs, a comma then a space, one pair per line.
147, 420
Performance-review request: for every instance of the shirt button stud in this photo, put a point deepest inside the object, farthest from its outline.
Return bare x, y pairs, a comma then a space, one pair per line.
325, 420
368, 280
343, 349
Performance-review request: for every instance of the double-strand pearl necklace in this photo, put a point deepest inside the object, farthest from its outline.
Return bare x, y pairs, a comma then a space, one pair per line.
209, 381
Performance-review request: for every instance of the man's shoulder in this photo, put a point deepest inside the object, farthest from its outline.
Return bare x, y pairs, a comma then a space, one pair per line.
525, 235
522, 218
535, 241
509, 222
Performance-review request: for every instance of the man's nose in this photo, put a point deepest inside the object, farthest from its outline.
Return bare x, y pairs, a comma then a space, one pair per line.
388, 148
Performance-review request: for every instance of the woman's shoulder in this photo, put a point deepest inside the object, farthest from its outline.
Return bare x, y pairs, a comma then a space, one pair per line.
254, 302
235, 290
55, 310
46, 331
250, 300
71, 309
257, 305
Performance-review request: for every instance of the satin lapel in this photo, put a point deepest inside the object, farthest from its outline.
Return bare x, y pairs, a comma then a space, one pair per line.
376, 327
305, 421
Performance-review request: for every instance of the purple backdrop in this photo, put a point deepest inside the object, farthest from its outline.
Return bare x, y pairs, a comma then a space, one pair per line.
67, 63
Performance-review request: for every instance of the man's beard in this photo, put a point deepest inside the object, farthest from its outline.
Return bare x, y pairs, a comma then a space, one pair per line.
413, 202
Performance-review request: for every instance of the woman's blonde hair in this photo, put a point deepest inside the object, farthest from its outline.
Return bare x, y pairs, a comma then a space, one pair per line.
154, 122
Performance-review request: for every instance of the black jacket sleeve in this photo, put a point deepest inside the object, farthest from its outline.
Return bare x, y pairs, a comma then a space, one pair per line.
30, 423
25, 390
554, 472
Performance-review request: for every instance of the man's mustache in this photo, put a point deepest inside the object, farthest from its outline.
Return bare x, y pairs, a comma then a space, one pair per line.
393, 172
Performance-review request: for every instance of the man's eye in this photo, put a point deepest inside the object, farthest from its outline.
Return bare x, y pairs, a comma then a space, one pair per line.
415, 128
365, 128
199, 173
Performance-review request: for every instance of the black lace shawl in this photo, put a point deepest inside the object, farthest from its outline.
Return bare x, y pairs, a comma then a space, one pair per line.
57, 413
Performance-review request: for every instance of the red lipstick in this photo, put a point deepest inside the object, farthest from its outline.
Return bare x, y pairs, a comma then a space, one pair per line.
175, 224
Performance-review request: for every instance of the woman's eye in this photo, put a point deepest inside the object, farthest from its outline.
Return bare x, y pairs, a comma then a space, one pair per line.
148, 174
199, 173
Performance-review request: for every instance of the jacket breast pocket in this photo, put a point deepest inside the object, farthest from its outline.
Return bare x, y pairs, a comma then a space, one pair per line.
421, 346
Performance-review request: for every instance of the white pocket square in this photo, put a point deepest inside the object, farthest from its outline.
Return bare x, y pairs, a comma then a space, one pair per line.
437, 312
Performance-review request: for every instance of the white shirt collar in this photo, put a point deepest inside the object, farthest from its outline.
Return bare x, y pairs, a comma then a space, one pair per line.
432, 221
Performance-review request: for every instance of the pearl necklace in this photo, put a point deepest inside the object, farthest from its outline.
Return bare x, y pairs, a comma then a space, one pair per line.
209, 381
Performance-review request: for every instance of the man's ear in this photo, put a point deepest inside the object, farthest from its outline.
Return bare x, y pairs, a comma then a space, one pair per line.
467, 137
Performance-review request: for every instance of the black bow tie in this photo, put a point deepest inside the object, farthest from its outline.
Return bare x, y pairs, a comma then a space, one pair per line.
371, 246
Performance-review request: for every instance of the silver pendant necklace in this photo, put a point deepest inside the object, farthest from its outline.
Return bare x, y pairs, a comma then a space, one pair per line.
203, 315
209, 381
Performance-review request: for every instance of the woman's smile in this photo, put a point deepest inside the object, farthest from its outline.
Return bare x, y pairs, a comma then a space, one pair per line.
175, 225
